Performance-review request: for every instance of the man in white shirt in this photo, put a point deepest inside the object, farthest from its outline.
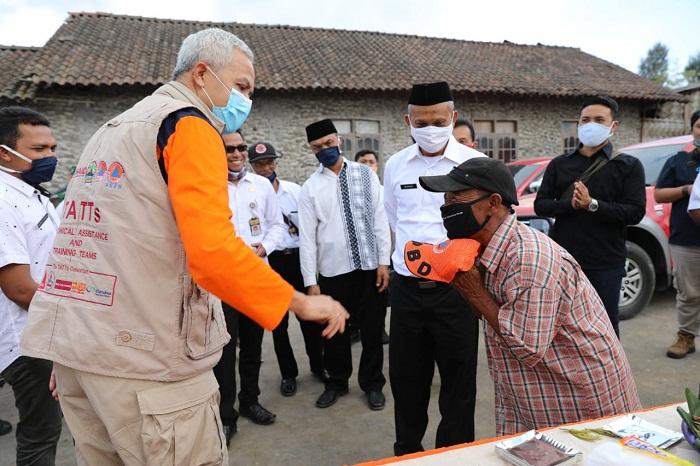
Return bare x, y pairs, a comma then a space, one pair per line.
430, 323
258, 221
285, 261
371, 159
28, 224
344, 250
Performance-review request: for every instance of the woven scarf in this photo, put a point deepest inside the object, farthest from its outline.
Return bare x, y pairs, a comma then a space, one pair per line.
355, 194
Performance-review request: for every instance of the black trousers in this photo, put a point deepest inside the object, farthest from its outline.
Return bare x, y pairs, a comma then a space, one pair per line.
608, 283
250, 336
287, 265
225, 370
357, 292
39, 426
429, 326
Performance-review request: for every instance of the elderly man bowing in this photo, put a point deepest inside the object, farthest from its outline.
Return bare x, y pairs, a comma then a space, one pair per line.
552, 352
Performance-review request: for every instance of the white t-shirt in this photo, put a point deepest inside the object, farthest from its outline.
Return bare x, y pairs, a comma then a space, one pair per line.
694, 202
288, 200
28, 224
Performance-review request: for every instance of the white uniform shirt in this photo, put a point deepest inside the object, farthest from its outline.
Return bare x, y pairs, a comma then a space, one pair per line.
414, 213
288, 199
694, 202
256, 214
28, 224
322, 241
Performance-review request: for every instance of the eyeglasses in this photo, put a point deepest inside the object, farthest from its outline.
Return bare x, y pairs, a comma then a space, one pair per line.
240, 148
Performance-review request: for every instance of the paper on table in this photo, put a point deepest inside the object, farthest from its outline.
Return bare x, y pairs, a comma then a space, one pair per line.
634, 425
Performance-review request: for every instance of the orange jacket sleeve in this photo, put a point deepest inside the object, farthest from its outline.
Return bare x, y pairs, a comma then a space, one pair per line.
219, 261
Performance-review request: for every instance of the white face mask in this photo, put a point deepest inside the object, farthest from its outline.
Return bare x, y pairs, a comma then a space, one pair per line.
431, 138
594, 134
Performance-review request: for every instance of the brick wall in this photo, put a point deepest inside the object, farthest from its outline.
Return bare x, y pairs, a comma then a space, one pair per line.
280, 119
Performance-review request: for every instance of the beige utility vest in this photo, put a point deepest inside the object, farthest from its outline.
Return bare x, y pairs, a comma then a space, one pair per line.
117, 298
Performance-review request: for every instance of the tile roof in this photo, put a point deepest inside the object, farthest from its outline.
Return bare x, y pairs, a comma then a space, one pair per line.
97, 49
14, 60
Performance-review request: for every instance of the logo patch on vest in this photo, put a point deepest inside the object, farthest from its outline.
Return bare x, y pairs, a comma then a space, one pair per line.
79, 283
112, 174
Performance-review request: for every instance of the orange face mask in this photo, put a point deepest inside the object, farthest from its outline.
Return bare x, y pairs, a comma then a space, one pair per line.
442, 261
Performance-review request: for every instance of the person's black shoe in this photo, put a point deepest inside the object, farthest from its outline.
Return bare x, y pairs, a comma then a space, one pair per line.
257, 414
329, 397
229, 431
288, 387
5, 427
376, 400
385, 337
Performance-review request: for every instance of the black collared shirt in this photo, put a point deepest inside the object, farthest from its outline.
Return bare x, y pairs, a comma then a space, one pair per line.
679, 170
595, 239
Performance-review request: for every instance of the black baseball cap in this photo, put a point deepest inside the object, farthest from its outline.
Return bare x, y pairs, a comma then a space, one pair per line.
260, 151
483, 173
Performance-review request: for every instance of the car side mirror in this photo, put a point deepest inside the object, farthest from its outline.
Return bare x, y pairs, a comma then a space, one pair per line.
534, 186
541, 224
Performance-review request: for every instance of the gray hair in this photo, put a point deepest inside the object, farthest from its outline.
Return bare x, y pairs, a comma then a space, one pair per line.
213, 46
450, 106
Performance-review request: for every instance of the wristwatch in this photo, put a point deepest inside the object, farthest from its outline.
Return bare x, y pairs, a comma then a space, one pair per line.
593, 206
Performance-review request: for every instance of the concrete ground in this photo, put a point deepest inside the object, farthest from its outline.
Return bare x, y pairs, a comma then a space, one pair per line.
349, 432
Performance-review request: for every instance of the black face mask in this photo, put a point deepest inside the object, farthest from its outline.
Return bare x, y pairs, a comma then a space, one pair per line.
459, 219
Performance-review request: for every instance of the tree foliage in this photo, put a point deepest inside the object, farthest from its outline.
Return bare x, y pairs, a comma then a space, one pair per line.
655, 65
692, 69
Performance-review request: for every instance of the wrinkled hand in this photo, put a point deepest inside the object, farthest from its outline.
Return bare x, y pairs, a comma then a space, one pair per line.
313, 290
52, 385
469, 280
469, 284
382, 278
581, 198
322, 310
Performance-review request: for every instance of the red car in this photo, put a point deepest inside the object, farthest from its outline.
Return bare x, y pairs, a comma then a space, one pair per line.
648, 257
528, 174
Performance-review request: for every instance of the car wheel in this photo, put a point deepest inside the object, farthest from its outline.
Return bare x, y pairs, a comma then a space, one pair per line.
639, 284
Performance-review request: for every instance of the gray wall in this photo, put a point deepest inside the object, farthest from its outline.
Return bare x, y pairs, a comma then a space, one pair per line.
280, 118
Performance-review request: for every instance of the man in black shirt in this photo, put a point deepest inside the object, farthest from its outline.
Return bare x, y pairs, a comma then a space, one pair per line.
592, 211
674, 185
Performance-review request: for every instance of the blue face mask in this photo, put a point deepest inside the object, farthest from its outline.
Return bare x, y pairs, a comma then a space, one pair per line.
329, 156
272, 177
42, 169
236, 110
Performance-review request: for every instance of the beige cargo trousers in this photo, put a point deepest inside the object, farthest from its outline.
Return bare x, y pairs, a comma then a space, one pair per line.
119, 421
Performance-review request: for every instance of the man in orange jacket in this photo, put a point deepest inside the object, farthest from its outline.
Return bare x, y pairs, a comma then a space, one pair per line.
127, 308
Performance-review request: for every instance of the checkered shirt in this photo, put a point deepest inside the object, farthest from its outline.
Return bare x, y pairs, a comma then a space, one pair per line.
557, 359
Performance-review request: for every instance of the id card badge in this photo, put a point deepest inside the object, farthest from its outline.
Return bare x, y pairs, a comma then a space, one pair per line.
255, 228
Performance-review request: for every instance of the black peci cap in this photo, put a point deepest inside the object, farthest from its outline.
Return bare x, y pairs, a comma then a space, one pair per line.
260, 151
430, 94
320, 129
483, 173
